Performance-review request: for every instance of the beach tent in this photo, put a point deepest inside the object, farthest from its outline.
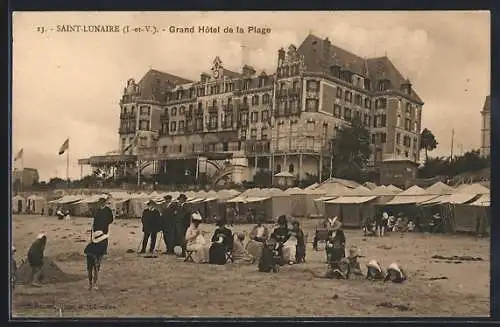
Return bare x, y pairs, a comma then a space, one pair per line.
137, 204
411, 196
36, 204
18, 204
331, 191
439, 188
302, 201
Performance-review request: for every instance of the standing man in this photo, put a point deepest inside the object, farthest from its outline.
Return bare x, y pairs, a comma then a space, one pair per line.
167, 224
151, 225
182, 221
103, 217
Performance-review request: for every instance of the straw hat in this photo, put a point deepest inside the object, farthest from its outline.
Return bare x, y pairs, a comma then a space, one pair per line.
394, 267
99, 236
385, 215
374, 264
196, 217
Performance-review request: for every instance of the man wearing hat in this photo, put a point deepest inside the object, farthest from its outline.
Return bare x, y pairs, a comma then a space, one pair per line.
103, 216
167, 223
151, 225
182, 222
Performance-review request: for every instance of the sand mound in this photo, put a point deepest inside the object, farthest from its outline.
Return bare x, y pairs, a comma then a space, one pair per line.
51, 273
70, 256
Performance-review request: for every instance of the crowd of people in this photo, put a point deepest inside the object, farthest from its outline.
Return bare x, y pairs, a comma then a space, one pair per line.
180, 229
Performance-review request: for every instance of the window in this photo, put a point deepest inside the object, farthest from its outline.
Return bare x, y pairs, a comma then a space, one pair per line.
369, 121
408, 124
173, 126
181, 125
265, 115
373, 138
291, 169
381, 103
398, 138
368, 103
339, 93
337, 111
415, 143
266, 98
398, 152
244, 134
347, 113
174, 111
253, 133
278, 168
180, 148
357, 114
228, 120
245, 100
164, 149
143, 141
144, 110
398, 121
254, 117
182, 110
244, 118
348, 96
383, 120
312, 105
358, 100
365, 120
312, 86
200, 106
415, 126
199, 124
296, 85
263, 133
406, 154
124, 140
255, 100
310, 126
294, 107
212, 122
383, 137
132, 110
144, 125
408, 109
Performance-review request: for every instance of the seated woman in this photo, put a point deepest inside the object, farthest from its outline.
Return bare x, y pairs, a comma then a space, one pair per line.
395, 274
195, 241
285, 245
258, 236
240, 254
374, 271
222, 241
298, 233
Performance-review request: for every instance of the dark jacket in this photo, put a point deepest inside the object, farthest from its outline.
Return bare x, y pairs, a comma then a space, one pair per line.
299, 234
227, 237
281, 234
96, 250
151, 221
35, 253
183, 217
103, 217
167, 215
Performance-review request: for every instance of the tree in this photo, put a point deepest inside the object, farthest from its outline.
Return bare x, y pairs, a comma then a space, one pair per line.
351, 150
427, 142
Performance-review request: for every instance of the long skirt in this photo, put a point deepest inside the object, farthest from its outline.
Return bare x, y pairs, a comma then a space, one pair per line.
255, 248
289, 250
200, 252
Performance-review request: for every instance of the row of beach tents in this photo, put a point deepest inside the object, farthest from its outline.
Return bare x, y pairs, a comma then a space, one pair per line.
464, 208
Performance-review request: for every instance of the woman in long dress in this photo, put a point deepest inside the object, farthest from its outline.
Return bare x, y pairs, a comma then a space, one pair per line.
240, 254
288, 242
258, 236
195, 241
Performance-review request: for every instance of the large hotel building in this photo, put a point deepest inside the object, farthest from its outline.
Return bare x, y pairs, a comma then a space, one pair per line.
230, 125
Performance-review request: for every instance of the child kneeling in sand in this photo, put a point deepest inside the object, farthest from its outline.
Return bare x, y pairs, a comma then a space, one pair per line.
94, 251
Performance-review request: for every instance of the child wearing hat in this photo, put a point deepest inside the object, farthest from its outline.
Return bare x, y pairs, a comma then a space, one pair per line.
374, 271
395, 274
95, 251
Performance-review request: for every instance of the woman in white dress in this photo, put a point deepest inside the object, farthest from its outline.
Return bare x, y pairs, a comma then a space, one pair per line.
195, 241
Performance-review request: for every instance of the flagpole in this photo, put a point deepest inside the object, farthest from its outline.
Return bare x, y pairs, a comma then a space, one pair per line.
67, 164
22, 172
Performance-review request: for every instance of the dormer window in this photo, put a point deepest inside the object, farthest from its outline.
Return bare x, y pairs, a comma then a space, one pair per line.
335, 71
383, 85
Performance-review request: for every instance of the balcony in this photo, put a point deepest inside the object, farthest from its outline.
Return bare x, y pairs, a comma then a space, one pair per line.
257, 147
213, 109
243, 123
164, 117
123, 130
227, 107
127, 115
243, 107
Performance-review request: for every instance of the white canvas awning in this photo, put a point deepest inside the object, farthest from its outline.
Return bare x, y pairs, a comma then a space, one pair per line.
459, 198
352, 199
438, 200
483, 201
256, 199
324, 198
410, 199
238, 199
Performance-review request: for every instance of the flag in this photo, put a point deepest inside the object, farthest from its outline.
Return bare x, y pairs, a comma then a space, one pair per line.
64, 147
133, 143
19, 155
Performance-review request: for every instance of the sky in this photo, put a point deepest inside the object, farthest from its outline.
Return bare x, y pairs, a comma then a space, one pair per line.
68, 85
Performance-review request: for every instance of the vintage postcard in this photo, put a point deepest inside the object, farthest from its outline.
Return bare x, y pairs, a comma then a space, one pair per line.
234, 164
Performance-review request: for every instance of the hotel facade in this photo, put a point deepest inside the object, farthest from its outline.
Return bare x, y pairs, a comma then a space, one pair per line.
230, 125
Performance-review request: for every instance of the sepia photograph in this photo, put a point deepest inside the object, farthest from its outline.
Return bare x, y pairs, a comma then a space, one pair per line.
250, 164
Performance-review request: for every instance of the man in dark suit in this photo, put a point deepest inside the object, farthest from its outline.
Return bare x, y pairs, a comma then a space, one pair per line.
182, 221
151, 225
167, 222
